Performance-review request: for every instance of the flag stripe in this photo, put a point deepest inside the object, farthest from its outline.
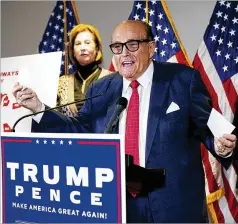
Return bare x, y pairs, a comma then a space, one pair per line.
223, 205
231, 199
217, 181
211, 73
232, 178
230, 93
211, 182
173, 59
181, 59
234, 80
199, 66
111, 67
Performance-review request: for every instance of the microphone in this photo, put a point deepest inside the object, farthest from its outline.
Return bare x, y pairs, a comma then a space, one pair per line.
121, 105
53, 108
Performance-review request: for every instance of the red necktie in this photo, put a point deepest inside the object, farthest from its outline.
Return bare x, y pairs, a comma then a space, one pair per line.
132, 124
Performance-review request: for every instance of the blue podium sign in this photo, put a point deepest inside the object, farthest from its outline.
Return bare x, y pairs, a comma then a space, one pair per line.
67, 178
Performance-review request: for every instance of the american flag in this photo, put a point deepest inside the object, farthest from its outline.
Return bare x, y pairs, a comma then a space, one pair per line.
168, 45
217, 61
56, 35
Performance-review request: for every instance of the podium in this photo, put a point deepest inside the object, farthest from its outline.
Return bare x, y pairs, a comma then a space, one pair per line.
62, 178
69, 178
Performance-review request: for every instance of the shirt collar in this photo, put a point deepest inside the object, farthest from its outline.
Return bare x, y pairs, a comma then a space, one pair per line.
144, 79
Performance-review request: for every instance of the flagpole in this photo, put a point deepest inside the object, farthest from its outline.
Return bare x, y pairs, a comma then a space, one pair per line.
66, 62
146, 11
75, 12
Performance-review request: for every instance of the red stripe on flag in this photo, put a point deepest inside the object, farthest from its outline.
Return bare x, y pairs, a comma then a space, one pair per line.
212, 184
181, 58
230, 93
197, 64
111, 67
232, 203
211, 181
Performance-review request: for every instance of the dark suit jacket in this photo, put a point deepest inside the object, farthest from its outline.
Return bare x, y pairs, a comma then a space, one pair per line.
173, 139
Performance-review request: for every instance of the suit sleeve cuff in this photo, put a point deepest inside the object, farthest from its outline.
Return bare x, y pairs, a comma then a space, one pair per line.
37, 118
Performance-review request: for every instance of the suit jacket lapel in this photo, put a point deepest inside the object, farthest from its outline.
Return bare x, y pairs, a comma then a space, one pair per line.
115, 93
161, 81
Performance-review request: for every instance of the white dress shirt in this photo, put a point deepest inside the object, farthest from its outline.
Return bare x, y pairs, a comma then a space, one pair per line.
144, 90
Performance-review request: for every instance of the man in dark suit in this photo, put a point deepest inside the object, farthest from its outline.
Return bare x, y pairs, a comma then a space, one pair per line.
164, 123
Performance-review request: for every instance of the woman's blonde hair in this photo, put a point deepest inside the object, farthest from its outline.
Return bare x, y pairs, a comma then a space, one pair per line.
97, 39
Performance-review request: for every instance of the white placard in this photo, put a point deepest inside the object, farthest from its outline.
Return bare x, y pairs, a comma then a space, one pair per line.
218, 124
39, 72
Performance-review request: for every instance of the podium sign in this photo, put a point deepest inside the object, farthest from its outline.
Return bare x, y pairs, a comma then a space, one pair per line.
67, 178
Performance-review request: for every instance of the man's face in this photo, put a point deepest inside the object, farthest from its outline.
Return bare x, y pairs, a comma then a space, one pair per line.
132, 65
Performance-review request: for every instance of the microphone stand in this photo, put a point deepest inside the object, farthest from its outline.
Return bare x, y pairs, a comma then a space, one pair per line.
120, 106
53, 108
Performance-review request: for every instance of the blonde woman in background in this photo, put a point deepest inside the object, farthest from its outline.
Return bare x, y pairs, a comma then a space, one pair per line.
85, 51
